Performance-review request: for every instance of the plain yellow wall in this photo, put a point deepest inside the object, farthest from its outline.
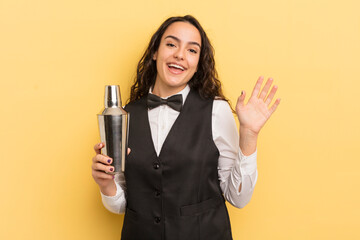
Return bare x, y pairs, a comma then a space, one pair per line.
57, 56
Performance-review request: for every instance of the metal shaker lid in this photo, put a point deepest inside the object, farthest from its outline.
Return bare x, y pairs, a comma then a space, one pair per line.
112, 96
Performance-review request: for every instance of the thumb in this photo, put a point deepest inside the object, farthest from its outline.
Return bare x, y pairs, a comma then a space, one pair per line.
241, 99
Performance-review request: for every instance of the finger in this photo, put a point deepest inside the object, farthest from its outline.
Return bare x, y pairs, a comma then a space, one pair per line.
98, 147
241, 98
102, 175
274, 106
271, 95
102, 167
129, 150
265, 89
102, 159
257, 87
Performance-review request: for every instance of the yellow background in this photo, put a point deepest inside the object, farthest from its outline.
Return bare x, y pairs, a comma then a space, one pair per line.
56, 57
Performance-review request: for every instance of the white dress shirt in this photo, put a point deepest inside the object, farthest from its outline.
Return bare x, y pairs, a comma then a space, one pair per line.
234, 168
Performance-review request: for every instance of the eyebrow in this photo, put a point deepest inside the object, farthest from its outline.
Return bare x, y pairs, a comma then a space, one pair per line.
178, 40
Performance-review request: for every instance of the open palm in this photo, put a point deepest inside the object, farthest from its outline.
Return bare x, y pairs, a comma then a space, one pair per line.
256, 112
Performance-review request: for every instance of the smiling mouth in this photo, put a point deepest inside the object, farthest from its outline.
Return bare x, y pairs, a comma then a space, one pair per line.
176, 67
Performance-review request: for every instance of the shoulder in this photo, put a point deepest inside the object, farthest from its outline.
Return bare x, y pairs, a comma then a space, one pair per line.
221, 107
223, 124
222, 115
139, 103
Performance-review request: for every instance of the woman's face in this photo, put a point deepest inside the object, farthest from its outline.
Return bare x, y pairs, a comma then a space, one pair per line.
177, 58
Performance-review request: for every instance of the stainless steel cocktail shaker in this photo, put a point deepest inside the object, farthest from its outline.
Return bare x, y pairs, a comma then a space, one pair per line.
113, 126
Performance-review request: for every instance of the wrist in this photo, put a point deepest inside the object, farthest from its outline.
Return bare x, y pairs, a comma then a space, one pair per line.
248, 133
109, 190
248, 141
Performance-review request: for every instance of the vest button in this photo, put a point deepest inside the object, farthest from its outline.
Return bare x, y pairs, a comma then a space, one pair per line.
157, 219
156, 165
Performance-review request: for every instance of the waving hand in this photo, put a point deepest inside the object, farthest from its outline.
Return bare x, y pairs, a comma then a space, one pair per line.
253, 115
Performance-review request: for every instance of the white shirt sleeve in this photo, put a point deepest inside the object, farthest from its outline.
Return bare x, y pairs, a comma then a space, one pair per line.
234, 168
117, 203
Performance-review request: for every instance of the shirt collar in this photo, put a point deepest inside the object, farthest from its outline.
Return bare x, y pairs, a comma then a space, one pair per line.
184, 93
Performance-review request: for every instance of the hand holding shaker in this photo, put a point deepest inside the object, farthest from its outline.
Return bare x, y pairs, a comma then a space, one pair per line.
113, 126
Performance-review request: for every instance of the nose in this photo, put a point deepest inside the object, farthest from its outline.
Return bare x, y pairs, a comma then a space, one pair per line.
179, 54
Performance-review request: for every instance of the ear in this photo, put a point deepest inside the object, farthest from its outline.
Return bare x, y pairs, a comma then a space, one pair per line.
154, 56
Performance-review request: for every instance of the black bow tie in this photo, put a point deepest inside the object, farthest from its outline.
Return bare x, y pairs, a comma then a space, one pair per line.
175, 102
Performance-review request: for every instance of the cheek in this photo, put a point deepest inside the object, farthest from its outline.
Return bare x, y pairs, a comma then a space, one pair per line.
158, 67
194, 63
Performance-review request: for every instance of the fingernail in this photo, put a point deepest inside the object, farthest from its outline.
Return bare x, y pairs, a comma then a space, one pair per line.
113, 176
109, 160
99, 144
111, 169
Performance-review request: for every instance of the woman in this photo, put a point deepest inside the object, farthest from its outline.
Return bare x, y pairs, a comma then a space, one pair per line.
186, 156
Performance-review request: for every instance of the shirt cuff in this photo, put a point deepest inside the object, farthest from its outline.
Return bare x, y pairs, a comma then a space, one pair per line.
115, 197
115, 204
245, 171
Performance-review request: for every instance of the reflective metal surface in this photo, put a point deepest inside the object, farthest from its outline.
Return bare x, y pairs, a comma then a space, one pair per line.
113, 125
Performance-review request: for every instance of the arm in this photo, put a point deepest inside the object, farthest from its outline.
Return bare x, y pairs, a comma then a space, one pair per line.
253, 115
112, 187
237, 172
236, 180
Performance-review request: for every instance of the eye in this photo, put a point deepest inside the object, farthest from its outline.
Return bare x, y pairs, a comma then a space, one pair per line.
170, 45
193, 51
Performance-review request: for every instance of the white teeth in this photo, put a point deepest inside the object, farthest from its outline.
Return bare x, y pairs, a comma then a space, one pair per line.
176, 66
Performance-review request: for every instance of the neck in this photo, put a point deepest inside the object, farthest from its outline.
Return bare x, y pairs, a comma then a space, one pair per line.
164, 92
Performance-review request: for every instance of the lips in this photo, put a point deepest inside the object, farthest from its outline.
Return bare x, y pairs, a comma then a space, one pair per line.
176, 68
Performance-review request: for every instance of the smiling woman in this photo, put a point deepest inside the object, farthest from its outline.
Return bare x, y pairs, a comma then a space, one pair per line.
186, 157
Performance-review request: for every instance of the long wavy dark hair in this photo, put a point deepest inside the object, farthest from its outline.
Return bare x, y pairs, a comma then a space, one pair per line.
205, 80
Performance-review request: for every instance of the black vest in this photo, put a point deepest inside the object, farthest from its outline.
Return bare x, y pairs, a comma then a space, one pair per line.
177, 195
